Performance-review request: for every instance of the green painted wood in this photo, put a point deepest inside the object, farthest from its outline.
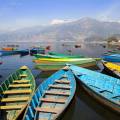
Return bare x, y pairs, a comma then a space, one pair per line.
16, 87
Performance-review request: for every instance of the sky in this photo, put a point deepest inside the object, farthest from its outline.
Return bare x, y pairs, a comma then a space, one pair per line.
17, 14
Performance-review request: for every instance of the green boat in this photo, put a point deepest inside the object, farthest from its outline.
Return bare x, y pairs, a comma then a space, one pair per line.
15, 93
87, 63
64, 55
56, 56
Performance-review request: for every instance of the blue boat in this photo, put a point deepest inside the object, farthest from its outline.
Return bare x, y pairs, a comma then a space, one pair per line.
7, 53
112, 58
104, 88
52, 96
13, 52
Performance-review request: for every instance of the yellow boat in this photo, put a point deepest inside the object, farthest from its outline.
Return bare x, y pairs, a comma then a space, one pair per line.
112, 68
42, 60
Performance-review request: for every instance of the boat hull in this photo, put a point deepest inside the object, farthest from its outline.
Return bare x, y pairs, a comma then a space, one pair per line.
15, 97
112, 58
55, 67
103, 88
110, 71
108, 104
66, 91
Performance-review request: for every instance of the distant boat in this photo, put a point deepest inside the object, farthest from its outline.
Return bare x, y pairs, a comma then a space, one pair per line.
47, 60
112, 58
54, 66
37, 50
15, 93
102, 87
52, 96
57, 56
64, 55
112, 68
1, 62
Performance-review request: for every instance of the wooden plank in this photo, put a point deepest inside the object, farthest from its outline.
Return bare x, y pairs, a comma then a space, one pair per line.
59, 87
48, 110
17, 91
57, 93
20, 85
63, 81
23, 75
53, 100
24, 67
15, 99
21, 81
12, 107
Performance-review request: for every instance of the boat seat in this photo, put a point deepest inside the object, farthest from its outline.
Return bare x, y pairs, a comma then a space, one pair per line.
59, 87
57, 93
12, 107
53, 100
21, 81
19, 85
48, 110
23, 75
62, 81
24, 91
15, 99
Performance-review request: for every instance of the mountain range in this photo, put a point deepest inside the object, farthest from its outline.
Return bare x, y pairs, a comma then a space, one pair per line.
82, 30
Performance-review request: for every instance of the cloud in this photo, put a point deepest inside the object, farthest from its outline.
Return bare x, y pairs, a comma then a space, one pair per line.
59, 21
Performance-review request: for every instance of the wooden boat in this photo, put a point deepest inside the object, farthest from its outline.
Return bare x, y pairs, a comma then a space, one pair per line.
45, 60
112, 68
55, 56
104, 88
15, 93
54, 66
52, 97
112, 58
6, 53
8, 48
37, 50
64, 55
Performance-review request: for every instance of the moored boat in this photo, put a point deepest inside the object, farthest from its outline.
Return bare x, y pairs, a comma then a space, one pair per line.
37, 50
112, 58
104, 88
45, 60
15, 93
52, 96
56, 56
53, 66
64, 55
112, 68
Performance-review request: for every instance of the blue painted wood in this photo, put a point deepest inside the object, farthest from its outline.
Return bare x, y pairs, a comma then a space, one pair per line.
104, 86
31, 113
112, 58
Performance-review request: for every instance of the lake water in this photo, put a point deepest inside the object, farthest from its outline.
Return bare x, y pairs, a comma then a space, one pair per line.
83, 107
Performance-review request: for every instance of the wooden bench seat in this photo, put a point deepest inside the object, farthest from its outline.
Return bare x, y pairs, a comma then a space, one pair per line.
15, 99
63, 81
12, 107
23, 75
57, 93
59, 87
21, 81
48, 110
24, 91
19, 85
53, 100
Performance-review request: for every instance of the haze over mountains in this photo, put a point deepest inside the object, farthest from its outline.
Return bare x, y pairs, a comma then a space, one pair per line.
83, 30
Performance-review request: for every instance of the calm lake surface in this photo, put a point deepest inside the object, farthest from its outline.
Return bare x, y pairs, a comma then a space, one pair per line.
83, 107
